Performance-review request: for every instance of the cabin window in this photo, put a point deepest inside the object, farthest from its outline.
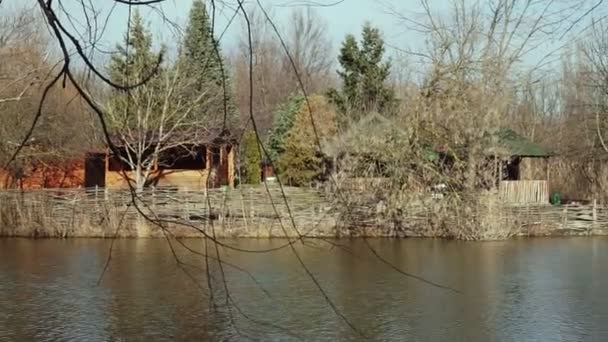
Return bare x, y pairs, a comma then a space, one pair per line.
184, 158
126, 159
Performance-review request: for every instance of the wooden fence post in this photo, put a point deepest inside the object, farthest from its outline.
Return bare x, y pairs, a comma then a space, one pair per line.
245, 218
594, 214
186, 211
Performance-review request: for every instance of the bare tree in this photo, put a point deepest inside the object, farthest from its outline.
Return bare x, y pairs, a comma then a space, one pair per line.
22, 47
26, 66
583, 123
473, 77
596, 56
310, 49
268, 91
161, 121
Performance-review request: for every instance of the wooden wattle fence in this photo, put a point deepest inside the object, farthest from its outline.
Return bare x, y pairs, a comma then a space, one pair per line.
591, 218
260, 212
524, 192
247, 211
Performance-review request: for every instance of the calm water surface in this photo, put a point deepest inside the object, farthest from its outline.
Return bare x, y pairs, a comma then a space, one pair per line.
522, 290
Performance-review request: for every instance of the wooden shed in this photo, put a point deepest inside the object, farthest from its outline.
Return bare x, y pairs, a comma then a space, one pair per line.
268, 172
523, 168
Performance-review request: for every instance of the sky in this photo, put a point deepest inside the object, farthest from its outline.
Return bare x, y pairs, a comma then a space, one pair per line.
347, 16
342, 17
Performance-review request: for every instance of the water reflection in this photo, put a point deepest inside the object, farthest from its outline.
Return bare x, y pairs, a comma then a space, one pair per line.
544, 290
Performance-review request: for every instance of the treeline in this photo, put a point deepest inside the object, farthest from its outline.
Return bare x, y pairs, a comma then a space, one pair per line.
483, 67
303, 138
363, 112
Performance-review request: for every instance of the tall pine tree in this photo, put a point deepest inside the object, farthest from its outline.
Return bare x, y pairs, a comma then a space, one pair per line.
200, 55
364, 75
133, 63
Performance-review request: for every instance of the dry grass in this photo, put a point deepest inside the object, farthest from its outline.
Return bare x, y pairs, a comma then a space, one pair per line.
22, 218
246, 212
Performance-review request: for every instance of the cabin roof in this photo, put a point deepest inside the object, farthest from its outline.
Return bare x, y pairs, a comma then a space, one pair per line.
211, 137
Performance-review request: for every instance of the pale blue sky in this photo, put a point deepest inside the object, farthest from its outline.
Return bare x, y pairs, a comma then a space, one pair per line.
342, 18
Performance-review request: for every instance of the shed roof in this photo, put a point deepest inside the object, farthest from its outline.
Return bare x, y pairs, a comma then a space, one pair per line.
511, 143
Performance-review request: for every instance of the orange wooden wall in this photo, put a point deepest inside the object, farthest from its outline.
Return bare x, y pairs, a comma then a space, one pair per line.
68, 174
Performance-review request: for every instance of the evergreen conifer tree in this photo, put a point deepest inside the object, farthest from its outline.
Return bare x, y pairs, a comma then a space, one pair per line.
251, 157
284, 119
200, 56
133, 63
364, 76
301, 161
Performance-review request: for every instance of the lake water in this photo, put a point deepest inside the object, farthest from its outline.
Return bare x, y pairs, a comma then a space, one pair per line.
519, 290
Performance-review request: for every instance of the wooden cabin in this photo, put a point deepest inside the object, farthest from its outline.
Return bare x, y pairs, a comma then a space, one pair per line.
207, 164
185, 167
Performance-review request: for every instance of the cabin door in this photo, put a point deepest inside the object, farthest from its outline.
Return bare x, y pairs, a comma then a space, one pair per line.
95, 170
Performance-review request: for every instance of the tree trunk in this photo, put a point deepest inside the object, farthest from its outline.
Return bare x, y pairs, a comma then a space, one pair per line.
142, 225
140, 179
